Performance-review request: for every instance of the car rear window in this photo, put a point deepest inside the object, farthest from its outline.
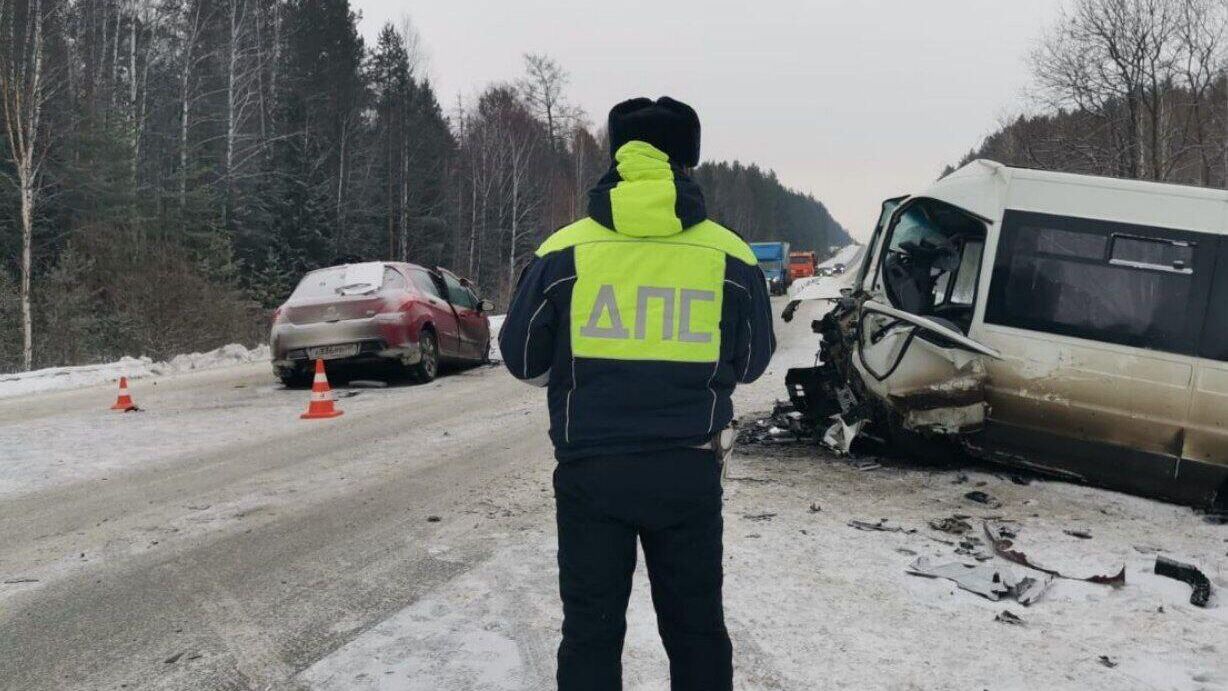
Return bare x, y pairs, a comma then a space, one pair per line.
1105, 281
335, 281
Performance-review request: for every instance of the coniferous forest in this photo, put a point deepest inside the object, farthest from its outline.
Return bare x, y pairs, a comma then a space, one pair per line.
170, 168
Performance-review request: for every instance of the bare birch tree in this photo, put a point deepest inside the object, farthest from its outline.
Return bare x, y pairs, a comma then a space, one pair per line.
24, 91
543, 89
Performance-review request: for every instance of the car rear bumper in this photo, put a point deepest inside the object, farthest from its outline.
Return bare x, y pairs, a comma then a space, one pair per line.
382, 337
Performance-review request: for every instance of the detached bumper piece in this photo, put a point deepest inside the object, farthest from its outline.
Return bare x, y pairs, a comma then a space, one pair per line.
1186, 573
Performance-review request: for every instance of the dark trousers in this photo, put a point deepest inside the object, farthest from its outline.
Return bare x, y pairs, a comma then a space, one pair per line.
671, 501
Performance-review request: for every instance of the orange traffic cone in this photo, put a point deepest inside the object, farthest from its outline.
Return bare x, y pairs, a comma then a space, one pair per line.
124, 402
321, 405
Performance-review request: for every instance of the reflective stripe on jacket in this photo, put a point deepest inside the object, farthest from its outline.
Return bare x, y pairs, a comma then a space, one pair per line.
641, 318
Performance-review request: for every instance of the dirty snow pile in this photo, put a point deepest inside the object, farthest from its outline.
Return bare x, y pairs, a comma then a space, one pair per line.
58, 378
496, 323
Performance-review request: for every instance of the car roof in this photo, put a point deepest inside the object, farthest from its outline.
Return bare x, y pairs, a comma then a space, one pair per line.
985, 188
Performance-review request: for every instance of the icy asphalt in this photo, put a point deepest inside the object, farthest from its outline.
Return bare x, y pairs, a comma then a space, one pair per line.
215, 541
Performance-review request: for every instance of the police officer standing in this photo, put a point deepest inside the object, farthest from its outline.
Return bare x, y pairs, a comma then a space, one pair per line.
641, 319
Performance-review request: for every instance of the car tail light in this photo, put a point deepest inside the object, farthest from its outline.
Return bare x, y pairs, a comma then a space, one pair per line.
278, 313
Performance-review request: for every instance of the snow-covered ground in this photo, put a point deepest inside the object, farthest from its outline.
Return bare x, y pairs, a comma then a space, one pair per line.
813, 603
844, 256
60, 378
496, 323
63, 378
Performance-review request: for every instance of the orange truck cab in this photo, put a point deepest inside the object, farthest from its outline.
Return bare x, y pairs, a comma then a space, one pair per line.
802, 264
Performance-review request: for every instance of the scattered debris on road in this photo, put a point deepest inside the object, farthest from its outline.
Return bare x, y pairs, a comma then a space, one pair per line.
865, 464
814, 507
1008, 617
1187, 573
433, 519
1107, 661
972, 546
879, 526
758, 516
990, 582
1081, 534
185, 655
1004, 547
983, 498
14, 581
955, 525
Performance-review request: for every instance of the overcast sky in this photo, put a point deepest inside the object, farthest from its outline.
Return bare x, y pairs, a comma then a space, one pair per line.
851, 100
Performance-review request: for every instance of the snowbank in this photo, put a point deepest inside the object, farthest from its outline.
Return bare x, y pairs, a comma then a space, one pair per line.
496, 323
845, 256
57, 378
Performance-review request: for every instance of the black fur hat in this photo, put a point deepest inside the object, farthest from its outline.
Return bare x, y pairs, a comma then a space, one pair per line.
671, 126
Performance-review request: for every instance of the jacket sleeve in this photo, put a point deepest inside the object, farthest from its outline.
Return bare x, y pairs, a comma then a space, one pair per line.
756, 339
527, 337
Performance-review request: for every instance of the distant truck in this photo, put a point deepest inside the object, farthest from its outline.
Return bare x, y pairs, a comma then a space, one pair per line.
802, 264
773, 257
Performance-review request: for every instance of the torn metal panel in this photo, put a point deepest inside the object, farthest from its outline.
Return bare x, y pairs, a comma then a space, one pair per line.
952, 406
840, 435
946, 421
1005, 547
1031, 589
1008, 617
966, 388
987, 581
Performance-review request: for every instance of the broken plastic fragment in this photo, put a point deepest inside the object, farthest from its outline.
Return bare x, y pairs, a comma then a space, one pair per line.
1187, 573
1031, 589
839, 437
881, 526
1008, 617
953, 525
987, 581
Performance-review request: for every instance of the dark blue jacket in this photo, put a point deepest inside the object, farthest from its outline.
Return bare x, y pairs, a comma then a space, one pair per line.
641, 318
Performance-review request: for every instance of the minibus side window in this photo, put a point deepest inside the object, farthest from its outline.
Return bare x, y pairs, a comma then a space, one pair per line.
1112, 282
1215, 332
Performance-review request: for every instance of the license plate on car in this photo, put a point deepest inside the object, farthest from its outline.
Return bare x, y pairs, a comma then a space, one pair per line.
330, 352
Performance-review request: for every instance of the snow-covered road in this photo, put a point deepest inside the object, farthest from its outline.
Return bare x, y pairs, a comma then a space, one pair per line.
216, 541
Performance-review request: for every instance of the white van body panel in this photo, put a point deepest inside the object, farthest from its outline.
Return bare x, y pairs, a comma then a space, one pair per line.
1157, 403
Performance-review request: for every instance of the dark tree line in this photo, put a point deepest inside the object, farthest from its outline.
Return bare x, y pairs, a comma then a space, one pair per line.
753, 202
170, 168
1127, 88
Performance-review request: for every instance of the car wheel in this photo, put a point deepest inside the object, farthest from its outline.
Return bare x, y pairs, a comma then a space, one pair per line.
427, 367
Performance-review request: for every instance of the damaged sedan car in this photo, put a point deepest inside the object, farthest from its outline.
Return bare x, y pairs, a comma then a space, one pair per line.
379, 313
1073, 325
